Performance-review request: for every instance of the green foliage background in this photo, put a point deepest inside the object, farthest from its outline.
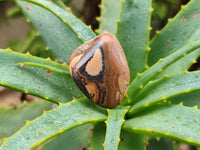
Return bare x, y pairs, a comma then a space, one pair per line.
159, 80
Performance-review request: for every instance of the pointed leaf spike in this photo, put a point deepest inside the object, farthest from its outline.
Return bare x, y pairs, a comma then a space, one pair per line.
169, 20
48, 58
47, 49
181, 103
37, 34
4, 139
196, 107
151, 10
28, 121
150, 28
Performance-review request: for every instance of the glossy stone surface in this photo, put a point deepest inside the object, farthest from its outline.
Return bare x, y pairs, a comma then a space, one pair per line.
100, 69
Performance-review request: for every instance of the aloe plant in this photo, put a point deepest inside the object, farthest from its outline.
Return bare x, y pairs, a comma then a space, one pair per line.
162, 99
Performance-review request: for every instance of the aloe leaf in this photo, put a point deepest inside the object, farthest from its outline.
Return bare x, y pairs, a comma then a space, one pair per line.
188, 99
160, 90
180, 31
47, 67
183, 64
130, 141
34, 80
110, 11
142, 79
98, 136
61, 31
79, 136
176, 122
60, 4
113, 127
54, 122
133, 33
13, 118
163, 143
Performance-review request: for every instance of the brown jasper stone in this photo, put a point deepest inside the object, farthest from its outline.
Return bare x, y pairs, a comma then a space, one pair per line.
100, 69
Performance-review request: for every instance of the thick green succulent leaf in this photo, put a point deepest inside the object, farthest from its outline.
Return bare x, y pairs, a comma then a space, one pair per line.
188, 99
162, 89
98, 136
113, 127
54, 122
142, 79
177, 122
110, 11
61, 31
44, 82
181, 65
131, 141
180, 31
13, 118
79, 136
128, 140
60, 4
163, 143
133, 33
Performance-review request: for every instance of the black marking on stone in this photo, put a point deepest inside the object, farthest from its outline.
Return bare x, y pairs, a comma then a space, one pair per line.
102, 94
92, 95
80, 82
99, 77
96, 38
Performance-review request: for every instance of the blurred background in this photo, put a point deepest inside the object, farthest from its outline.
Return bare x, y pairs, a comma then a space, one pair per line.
17, 34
